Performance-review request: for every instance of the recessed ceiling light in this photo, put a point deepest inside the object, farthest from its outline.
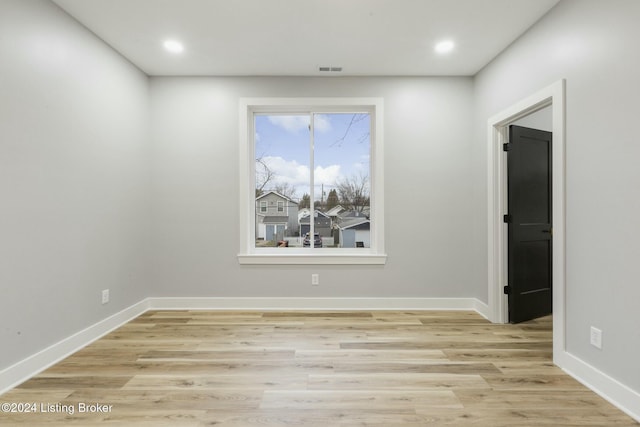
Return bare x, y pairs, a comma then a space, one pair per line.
445, 46
173, 46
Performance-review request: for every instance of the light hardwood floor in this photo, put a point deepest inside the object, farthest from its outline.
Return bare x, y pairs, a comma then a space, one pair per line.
344, 369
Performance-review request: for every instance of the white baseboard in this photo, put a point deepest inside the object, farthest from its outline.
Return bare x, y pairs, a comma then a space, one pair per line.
38, 362
481, 308
270, 303
610, 389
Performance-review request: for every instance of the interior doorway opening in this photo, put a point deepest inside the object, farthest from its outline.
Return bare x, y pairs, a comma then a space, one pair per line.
552, 97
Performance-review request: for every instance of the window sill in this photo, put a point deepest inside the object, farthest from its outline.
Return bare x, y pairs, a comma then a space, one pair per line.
315, 259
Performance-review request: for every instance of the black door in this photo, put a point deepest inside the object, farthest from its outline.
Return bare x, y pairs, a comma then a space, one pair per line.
529, 219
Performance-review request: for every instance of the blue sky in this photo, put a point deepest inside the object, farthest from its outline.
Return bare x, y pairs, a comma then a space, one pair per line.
342, 148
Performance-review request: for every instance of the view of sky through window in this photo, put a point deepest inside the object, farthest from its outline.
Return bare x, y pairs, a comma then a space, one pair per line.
282, 149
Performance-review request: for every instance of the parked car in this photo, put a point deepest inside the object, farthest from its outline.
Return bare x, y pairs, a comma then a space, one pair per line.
317, 241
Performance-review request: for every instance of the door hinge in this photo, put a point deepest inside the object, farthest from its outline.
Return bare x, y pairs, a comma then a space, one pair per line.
507, 290
506, 146
507, 219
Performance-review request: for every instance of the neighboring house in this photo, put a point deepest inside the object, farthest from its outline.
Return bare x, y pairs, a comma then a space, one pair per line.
355, 233
302, 213
334, 213
354, 214
321, 224
276, 216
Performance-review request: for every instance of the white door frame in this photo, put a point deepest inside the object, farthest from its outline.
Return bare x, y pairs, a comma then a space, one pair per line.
553, 95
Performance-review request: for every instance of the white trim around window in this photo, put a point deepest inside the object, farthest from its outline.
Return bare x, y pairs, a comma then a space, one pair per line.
251, 255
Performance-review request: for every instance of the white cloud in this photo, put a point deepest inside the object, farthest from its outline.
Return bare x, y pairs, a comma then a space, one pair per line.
322, 123
291, 124
295, 124
328, 175
298, 175
287, 171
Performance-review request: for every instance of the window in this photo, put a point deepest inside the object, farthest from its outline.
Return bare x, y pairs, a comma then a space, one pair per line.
322, 160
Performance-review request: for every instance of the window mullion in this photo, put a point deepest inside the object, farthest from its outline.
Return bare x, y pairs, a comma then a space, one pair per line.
312, 197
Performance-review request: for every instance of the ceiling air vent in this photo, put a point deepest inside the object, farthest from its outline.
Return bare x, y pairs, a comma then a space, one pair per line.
330, 69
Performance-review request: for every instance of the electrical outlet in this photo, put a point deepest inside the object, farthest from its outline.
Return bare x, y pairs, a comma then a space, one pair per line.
105, 296
596, 338
315, 279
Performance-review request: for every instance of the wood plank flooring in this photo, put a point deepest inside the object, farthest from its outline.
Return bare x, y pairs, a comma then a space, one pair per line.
343, 369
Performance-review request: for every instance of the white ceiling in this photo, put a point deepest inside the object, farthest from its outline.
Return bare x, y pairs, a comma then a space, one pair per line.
295, 37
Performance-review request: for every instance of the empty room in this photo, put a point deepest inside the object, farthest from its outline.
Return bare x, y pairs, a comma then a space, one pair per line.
319, 212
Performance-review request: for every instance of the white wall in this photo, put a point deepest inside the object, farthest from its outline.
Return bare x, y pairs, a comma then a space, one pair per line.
74, 178
427, 191
541, 120
591, 43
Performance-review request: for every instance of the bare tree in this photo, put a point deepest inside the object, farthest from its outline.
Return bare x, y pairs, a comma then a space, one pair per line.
264, 180
354, 192
354, 119
264, 175
285, 189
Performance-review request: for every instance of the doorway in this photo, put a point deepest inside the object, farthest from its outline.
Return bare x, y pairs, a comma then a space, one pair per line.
498, 130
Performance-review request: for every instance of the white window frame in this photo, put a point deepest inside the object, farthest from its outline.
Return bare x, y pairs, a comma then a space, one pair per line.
263, 207
249, 254
280, 206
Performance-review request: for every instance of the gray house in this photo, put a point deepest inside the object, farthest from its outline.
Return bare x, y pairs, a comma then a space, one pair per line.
355, 233
276, 216
321, 224
334, 213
